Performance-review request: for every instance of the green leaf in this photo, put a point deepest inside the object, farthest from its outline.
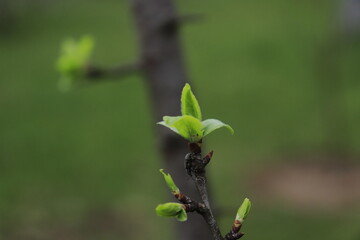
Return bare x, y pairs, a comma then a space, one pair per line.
189, 104
243, 210
169, 209
176, 210
210, 125
186, 126
170, 182
189, 128
73, 58
169, 121
182, 216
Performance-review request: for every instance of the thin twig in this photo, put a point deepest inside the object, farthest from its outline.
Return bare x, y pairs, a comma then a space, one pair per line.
196, 165
200, 182
96, 73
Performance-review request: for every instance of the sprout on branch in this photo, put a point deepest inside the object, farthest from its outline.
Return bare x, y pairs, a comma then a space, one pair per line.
176, 210
243, 211
190, 125
170, 182
73, 59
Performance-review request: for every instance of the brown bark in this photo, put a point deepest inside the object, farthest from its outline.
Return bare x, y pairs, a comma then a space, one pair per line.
163, 68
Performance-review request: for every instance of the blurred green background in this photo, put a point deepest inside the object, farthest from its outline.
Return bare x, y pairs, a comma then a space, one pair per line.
83, 165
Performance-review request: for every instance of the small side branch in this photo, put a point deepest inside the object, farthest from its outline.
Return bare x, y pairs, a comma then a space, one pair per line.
183, 198
95, 73
190, 205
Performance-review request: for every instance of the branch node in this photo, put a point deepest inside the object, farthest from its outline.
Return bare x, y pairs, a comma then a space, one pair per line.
183, 198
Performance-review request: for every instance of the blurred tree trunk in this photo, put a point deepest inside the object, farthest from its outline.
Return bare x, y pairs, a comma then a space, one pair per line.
6, 17
351, 18
331, 83
158, 26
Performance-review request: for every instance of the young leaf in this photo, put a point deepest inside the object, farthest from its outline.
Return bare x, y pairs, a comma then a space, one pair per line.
176, 210
243, 210
189, 128
182, 216
186, 126
189, 104
210, 125
169, 121
74, 56
170, 182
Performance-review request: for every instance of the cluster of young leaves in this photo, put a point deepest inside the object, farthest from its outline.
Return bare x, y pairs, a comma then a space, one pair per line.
190, 125
73, 58
178, 210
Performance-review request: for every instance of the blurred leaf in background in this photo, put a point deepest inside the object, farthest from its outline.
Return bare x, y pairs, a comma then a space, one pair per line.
73, 59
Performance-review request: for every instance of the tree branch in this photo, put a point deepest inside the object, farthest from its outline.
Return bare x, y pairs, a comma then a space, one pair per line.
195, 166
96, 73
196, 169
200, 182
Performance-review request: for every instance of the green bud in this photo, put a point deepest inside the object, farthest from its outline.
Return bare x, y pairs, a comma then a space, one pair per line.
176, 210
243, 210
170, 182
72, 60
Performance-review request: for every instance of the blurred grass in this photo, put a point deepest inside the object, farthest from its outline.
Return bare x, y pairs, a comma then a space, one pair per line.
66, 157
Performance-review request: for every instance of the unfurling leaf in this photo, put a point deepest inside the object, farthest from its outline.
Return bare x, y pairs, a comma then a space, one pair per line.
189, 128
210, 125
189, 104
73, 58
169, 121
182, 216
176, 210
186, 126
243, 211
170, 182
189, 125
